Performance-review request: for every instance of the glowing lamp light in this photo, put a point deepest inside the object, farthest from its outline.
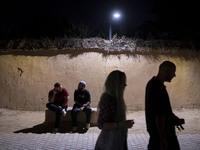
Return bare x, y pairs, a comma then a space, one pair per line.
116, 15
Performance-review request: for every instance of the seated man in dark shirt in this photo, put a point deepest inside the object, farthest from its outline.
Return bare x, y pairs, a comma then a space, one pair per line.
58, 102
82, 103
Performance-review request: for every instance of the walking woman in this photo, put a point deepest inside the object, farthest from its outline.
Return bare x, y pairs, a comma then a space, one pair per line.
112, 114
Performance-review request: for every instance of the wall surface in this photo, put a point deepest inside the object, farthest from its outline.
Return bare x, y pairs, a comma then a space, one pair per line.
26, 80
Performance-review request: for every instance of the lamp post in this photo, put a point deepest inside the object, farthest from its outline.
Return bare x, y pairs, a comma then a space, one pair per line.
115, 15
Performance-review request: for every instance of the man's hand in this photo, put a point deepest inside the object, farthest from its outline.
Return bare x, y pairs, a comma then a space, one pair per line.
81, 109
179, 124
54, 91
84, 105
180, 127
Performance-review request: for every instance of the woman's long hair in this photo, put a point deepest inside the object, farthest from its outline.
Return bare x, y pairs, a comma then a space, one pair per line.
114, 86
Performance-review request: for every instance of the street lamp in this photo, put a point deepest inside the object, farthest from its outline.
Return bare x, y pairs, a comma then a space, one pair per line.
115, 15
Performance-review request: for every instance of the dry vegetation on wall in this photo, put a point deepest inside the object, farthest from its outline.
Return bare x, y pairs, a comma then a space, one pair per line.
123, 45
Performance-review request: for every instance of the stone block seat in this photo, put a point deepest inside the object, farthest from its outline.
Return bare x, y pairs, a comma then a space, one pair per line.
81, 116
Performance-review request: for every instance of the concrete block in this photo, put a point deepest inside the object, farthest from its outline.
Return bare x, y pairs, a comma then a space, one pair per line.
81, 116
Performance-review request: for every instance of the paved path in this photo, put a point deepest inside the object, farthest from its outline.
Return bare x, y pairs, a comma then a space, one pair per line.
24, 130
30, 141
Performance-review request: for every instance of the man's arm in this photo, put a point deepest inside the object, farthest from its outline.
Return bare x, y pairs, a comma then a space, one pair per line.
65, 96
52, 97
77, 102
88, 99
160, 122
86, 104
66, 99
76, 97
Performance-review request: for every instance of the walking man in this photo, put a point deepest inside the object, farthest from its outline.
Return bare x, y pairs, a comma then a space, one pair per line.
160, 120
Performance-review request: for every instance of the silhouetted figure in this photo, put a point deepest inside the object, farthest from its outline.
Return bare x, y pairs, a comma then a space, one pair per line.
58, 102
112, 114
160, 120
82, 101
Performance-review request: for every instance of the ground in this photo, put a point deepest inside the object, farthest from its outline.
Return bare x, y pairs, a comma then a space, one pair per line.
23, 121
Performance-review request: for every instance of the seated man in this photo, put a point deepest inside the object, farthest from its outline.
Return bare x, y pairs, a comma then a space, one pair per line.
58, 102
82, 103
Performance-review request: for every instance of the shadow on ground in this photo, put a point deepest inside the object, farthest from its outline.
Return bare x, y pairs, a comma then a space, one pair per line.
65, 127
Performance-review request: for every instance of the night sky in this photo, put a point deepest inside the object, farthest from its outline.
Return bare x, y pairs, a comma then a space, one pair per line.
33, 18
